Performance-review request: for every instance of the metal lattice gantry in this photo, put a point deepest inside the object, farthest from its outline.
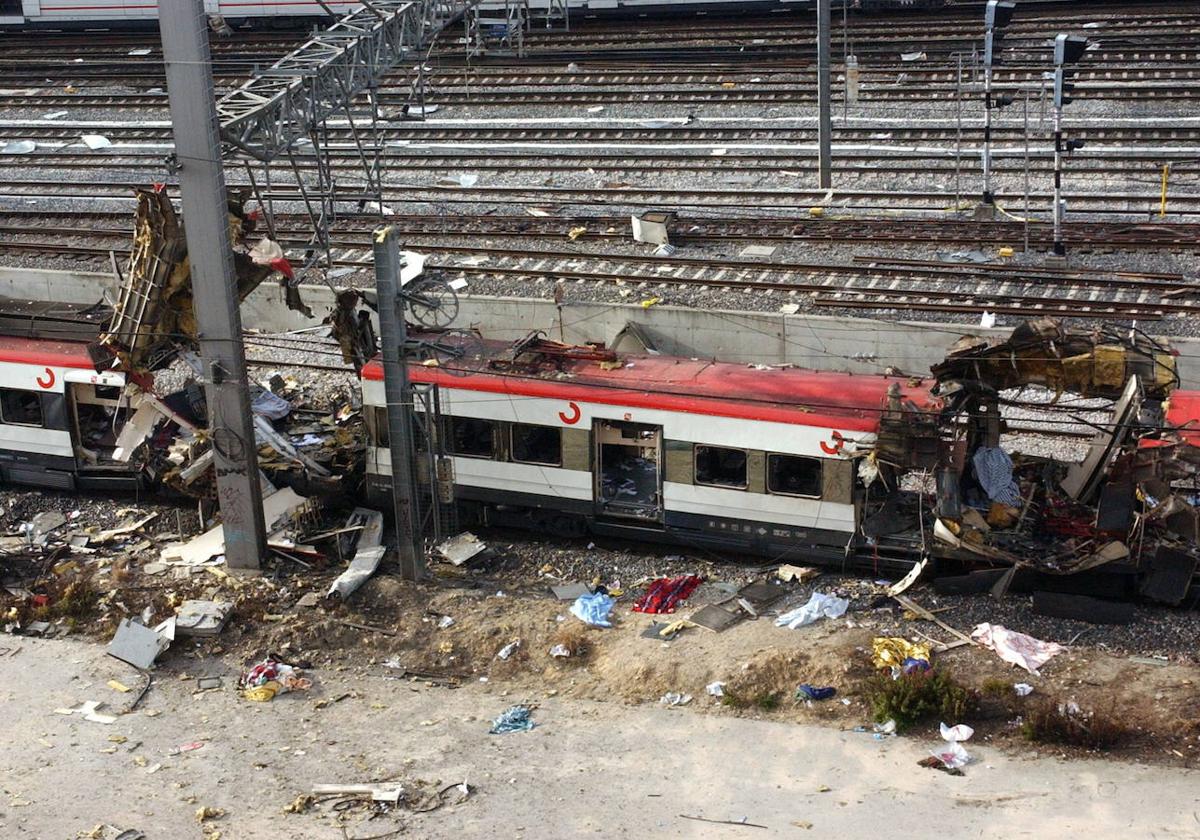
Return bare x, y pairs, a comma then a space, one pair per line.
285, 102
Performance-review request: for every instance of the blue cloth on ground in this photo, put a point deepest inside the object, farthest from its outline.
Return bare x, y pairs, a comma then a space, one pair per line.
593, 609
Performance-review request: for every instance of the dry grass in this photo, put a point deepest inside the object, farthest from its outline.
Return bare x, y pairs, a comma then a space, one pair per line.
1049, 721
572, 635
767, 681
919, 697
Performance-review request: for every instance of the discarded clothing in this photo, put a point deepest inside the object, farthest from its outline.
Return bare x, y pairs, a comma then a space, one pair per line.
1017, 648
812, 692
994, 470
513, 719
664, 594
593, 609
895, 652
819, 606
268, 678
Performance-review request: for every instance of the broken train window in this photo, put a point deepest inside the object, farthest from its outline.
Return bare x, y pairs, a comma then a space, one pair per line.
536, 444
20, 408
794, 475
721, 467
472, 437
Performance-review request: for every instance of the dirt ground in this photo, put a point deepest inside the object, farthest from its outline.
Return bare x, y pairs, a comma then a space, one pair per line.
587, 768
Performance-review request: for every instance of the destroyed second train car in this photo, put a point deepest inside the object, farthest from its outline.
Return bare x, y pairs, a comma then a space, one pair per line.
707, 454
774, 461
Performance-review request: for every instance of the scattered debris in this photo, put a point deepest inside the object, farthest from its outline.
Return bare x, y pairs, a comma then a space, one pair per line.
202, 618
570, 591
508, 650
675, 698
513, 719
1017, 648
715, 618
665, 594
593, 609
796, 574
369, 551
715, 689
810, 692
140, 645
89, 711
819, 606
269, 678
460, 548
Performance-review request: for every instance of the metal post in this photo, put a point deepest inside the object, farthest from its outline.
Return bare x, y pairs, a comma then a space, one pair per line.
393, 333
988, 198
1060, 249
184, 28
845, 64
1025, 104
824, 120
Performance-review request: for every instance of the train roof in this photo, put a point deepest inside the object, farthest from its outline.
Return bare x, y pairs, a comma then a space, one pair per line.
849, 402
53, 320
46, 352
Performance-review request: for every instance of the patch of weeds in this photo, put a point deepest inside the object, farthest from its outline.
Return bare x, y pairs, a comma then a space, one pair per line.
1049, 721
996, 687
918, 697
766, 701
76, 602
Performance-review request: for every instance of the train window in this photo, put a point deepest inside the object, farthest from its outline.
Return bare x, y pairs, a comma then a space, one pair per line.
721, 467
469, 436
108, 392
536, 444
20, 408
794, 475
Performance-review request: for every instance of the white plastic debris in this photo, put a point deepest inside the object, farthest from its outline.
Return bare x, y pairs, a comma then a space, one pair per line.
715, 689
18, 147
595, 109
508, 650
819, 606
96, 142
560, 652
1023, 689
444, 622
987, 320
675, 698
961, 732
54, 115
140, 51
886, 728
952, 755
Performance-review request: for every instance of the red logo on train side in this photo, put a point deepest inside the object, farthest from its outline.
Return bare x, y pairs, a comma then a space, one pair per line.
839, 443
572, 418
48, 381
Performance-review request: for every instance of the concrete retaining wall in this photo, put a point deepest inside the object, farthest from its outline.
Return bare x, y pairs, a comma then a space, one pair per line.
858, 345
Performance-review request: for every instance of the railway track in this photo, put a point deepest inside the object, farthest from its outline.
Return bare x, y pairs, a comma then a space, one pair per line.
111, 231
868, 283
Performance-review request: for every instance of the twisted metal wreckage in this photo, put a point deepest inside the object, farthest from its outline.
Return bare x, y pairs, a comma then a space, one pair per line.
934, 482
153, 325
1121, 518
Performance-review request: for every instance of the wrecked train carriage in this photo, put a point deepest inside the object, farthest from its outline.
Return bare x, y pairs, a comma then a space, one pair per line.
706, 454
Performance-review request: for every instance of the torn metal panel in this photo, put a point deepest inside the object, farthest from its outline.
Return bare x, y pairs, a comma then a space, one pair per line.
154, 315
1083, 480
369, 552
137, 428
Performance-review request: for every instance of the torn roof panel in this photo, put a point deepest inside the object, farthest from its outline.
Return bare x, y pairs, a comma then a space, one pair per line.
850, 402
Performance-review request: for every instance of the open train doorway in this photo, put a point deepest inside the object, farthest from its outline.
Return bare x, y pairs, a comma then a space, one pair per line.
628, 470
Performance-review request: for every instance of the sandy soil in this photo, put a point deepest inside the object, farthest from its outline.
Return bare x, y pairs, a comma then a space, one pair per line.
588, 767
